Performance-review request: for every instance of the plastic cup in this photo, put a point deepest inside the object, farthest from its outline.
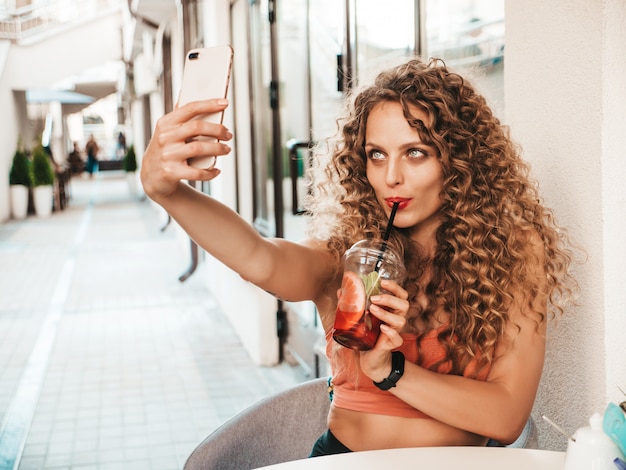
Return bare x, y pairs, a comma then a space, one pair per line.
365, 264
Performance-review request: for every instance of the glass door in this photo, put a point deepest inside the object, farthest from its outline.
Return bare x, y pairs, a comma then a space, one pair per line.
383, 36
294, 98
469, 36
328, 63
294, 104
261, 81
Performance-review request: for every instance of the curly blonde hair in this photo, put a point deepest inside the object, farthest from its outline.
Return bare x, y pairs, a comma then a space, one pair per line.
491, 211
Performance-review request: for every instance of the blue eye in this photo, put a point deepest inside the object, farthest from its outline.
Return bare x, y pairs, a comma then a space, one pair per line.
376, 155
417, 153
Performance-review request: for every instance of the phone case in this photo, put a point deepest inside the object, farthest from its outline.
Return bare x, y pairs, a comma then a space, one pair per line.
206, 75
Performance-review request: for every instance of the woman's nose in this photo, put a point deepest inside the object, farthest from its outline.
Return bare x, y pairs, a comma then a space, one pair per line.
393, 175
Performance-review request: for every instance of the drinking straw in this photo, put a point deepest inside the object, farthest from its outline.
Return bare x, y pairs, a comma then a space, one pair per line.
394, 208
558, 428
379, 261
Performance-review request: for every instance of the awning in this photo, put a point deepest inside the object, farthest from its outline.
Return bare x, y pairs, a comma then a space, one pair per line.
59, 96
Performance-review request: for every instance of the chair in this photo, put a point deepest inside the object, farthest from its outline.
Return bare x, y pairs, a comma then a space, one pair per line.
284, 427
276, 429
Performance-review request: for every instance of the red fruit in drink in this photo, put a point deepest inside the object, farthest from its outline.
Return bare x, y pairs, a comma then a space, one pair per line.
352, 296
354, 328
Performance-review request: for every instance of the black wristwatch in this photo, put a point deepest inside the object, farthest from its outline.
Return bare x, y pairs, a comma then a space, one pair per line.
397, 369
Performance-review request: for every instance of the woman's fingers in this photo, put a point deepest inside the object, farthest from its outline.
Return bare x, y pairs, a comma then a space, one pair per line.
180, 135
178, 153
200, 130
394, 288
375, 362
391, 307
202, 138
394, 319
197, 108
186, 125
392, 335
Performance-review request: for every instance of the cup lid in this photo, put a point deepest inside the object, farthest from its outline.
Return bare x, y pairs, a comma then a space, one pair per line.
377, 247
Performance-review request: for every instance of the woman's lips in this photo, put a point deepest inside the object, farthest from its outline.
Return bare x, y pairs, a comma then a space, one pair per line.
402, 202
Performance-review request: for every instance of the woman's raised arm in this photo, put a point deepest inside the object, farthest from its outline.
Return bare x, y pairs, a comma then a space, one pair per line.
289, 270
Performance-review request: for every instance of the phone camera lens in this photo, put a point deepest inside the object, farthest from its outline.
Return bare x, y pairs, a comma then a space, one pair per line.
193, 55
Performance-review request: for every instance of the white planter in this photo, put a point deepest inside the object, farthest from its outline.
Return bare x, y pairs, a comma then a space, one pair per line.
42, 199
19, 201
131, 178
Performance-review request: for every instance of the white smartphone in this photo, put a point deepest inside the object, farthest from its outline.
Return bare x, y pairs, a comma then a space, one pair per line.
206, 76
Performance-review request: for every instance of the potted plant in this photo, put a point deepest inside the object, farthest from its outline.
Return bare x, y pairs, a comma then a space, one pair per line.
129, 164
19, 183
43, 179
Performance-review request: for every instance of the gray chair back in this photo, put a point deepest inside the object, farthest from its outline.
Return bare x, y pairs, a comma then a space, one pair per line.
277, 429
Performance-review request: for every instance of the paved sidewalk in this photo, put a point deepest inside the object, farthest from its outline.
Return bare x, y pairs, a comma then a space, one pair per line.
107, 361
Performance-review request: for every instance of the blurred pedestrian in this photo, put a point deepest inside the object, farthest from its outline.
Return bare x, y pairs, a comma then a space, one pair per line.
92, 150
75, 159
121, 145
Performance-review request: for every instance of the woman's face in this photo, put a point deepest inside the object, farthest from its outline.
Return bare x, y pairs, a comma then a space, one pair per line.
401, 168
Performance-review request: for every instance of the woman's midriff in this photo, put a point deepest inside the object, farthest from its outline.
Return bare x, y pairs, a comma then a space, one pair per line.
366, 431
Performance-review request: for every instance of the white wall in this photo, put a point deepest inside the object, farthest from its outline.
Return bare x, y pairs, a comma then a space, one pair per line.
9, 123
45, 62
614, 193
565, 99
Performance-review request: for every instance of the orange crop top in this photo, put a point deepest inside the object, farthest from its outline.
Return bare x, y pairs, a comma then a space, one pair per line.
353, 390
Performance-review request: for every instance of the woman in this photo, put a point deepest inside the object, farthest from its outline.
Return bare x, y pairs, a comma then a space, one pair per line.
486, 263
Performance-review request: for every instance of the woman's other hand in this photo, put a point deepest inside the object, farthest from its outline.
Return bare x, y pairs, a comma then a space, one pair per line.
392, 309
174, 141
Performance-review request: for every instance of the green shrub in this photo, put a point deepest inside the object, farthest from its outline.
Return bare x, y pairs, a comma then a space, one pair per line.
20, 169
130, 160
43, 173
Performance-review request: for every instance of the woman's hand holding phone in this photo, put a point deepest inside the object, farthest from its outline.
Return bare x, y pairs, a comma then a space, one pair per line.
174, 142
187, 141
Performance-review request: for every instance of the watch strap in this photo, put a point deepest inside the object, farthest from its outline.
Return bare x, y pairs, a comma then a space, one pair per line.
397, 370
